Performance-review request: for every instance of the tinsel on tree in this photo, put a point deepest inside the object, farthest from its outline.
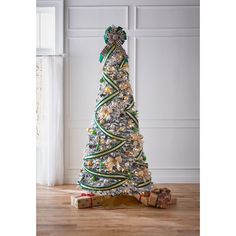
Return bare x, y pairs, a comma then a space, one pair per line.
114, 162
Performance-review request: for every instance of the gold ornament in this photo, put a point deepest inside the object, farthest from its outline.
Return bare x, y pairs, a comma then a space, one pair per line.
90, 163
131, 123
108, 90
114, 162
126, 191
125, 98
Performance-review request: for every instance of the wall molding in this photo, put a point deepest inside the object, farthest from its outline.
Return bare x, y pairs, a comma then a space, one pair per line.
74, 3
136, 8
126, 8
181, 133
141, 33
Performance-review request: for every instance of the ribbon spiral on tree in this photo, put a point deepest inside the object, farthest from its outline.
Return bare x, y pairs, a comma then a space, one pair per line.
114, 39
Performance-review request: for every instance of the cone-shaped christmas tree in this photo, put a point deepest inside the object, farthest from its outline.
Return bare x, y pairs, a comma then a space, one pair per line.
114, 161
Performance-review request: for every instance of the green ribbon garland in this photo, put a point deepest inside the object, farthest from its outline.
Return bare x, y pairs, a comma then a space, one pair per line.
105, 175
141, 185
102, 188
122, 139
132, 117
108, 133
105, 152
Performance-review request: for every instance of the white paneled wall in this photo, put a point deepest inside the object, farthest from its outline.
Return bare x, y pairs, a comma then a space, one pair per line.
163, 48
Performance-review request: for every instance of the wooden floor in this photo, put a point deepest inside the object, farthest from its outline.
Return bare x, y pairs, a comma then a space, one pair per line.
55, 216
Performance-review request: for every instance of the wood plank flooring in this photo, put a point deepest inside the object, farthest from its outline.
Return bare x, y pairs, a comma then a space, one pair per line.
55, 216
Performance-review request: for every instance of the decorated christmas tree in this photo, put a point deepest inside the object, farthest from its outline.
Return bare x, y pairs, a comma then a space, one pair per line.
114, 162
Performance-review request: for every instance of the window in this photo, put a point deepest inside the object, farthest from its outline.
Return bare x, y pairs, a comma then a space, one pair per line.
49, 19
46, 28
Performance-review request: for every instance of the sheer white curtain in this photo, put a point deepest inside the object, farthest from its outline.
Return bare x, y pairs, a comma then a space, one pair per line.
50, 163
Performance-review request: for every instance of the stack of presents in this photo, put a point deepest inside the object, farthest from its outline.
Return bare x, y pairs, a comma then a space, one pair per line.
159, 198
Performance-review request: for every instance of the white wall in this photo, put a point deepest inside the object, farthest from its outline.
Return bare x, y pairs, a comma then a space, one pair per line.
163, 46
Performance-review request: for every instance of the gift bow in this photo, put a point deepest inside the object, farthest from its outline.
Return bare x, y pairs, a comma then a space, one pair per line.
144, 174
88, 195
105, 112
162, 197
111, 162
160, 190
113, 36
137, 137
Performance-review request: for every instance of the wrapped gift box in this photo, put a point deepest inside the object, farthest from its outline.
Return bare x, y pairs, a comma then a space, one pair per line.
143, 198
158, 197
164, 197
86, 200
152, 199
